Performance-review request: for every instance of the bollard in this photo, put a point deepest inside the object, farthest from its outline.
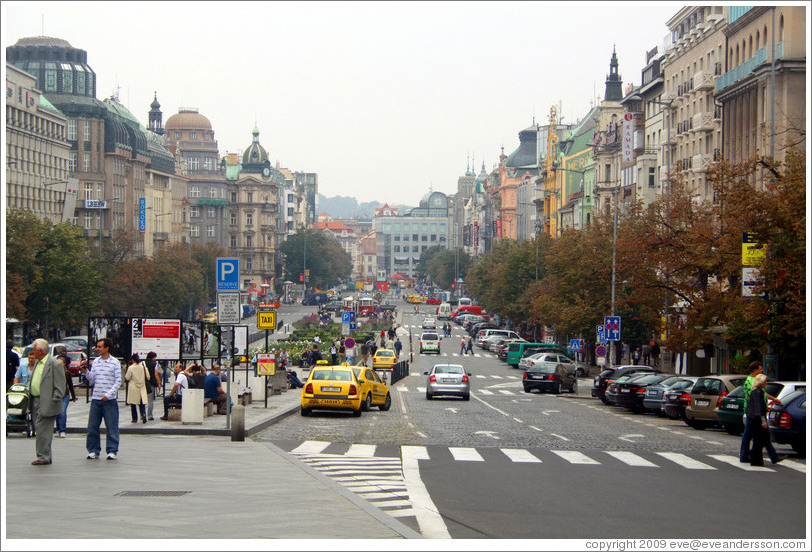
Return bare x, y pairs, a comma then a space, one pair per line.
238, 423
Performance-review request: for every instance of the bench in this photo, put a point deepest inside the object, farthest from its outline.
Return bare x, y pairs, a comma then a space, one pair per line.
173, 414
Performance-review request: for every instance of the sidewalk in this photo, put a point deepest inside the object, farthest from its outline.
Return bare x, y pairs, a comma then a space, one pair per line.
175, 481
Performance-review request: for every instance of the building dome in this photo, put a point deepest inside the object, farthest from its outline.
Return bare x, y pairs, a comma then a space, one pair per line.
187, 118
525, 154
255, 157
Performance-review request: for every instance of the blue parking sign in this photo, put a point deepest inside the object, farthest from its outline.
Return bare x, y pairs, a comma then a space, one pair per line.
611, 326
228, 274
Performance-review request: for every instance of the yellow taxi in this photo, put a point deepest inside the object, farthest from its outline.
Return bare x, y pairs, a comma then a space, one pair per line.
373, 390
384, 358
210, 317
414, 298
332, 388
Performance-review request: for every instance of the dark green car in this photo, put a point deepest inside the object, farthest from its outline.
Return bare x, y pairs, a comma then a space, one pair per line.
730, 411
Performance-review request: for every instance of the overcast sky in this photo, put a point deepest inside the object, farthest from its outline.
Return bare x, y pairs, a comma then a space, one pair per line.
382, 100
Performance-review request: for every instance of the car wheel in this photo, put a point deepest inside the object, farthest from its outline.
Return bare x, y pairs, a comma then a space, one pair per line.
466, 397
367, 404
574, 389
557, 390
429, 396
305, 411
527, 390
604, 401
387, 403
734, 429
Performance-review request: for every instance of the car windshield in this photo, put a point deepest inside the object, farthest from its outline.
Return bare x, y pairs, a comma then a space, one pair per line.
429, 337
332, 375
75, 356
649, 378
384, 354
448, 370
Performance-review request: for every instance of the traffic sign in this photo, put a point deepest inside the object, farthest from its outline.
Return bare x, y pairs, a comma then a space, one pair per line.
228, 307
349, 343
348, 317
601, 333
600, 350
575, 344
612, 325
266, 320
228, 274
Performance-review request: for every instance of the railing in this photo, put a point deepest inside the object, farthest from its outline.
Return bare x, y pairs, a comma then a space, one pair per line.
399, 371
790, 49
742, 70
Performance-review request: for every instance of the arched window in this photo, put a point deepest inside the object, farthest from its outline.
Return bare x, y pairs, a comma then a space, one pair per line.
758, 41
750, 48
781, 29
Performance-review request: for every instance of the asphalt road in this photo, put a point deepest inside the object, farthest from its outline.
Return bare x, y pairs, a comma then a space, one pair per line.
509, 464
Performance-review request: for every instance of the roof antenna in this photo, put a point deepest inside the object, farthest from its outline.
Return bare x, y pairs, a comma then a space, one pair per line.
43, 24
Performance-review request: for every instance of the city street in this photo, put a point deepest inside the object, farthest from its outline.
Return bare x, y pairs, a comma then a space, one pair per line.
509, 464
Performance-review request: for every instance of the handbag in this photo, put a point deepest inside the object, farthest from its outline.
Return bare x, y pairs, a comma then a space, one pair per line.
146, 380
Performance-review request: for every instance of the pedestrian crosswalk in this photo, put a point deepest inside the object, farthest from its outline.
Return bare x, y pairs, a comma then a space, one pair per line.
337, 456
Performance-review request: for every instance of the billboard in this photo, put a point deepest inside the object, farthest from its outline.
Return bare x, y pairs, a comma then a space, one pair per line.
161, 335
116, 328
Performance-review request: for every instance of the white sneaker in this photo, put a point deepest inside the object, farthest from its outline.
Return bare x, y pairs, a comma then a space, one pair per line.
61, 435
111, 455
92, 456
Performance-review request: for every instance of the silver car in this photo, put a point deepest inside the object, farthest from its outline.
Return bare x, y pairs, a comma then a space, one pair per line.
448, 379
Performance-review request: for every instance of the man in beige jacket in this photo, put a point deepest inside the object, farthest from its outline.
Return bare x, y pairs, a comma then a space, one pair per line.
47, 388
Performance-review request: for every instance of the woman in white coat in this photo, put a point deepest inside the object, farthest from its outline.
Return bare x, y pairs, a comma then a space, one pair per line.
137, 391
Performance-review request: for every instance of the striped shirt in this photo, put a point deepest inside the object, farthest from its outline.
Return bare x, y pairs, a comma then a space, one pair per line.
105, 377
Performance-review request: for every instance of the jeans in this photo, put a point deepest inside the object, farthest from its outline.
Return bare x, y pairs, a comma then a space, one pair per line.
135, 408
107, 411
171, 399
150, 401
747, 437
62, 417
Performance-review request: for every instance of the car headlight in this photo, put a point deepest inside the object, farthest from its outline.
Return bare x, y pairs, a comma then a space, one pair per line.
14, 400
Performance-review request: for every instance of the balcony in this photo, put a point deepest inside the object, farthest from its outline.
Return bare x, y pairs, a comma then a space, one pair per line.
700, 162
743, 70
702, 122
704, 80
790, 49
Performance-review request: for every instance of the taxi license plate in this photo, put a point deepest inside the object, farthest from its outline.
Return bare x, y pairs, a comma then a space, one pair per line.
331, 389
334, 402
702, 403
733, 407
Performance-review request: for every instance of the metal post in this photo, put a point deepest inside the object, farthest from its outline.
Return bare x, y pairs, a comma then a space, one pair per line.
614, 253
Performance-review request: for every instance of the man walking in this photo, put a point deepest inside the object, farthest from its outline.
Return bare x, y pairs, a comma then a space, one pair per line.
469, 348
105, 377
462, 346
47, 388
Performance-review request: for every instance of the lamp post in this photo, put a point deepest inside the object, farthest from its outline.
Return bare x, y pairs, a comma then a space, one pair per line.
155, 232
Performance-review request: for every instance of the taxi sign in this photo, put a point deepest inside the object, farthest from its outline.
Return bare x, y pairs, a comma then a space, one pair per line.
266, 320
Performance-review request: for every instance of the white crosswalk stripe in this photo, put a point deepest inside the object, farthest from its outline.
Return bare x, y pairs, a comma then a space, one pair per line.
794, 465
685, 461
311, 447
485, 392
361, 450
520, 455
574, 457
465, 454
734, 461
631, 458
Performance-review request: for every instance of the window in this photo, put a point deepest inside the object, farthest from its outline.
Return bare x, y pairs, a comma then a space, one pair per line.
87, 162
249, 241
194, 211
86, 134
193, 135
210, 212
210, 231
415, 248
212, 192
249, 219
290, 211
71, 129
405, 237
233, 242
72, 161
88, 190
194, 231
414, 237
194, 191
651, 177
233, 219
249, 263
424, 238
433, 237
396, 249
194, 163
233, 197
208, 163
177, 135
250, 197
290, 198
88, 220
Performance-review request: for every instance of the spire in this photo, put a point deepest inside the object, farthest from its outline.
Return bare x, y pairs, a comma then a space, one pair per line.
613, 82
155, 116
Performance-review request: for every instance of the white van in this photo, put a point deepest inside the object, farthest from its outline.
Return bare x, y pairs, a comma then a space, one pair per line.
484, 334
464, 301
444, 311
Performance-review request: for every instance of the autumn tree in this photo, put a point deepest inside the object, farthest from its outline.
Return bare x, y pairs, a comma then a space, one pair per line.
320, 253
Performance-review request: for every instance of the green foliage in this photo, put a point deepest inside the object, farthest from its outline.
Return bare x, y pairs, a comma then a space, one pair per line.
440, 264
320, 253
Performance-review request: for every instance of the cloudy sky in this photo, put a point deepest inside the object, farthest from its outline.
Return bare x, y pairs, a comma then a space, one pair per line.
382, 100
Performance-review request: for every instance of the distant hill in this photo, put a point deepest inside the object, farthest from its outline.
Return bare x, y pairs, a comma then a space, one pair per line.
347, 207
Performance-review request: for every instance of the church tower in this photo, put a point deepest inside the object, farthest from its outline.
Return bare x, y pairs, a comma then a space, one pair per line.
613, 82
155, 117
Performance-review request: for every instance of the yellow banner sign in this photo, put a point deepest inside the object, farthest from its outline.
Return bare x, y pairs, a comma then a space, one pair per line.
266, 364
753, 254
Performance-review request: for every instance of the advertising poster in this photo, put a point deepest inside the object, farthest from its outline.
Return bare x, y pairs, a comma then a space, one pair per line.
226, 342
192, 340
161, 335
266, 364
211, 340
240, 340
117, 329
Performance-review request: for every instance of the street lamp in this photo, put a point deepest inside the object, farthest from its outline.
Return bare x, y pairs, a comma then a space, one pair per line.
155, 231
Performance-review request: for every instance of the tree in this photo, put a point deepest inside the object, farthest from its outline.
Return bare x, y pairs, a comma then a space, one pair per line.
51, 270
444, 266
324, 258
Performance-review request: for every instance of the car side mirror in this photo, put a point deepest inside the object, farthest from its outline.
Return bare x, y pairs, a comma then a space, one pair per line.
469, 373
361, 381
425, 373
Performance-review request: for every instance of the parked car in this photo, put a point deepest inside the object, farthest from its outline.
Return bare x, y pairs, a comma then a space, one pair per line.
331, 388
433, 301
491, 341
77, 359
429, 342
631, 394
614, 387
706, 396
780, 389
483, 334
730, 411
500, 347
374, 391
787, 422
474, 327
448, 379
550, 375
676, 400
609, 375
655, 394
79, 340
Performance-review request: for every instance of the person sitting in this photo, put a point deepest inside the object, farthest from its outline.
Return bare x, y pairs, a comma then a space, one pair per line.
176, 395
213, 389
196, 375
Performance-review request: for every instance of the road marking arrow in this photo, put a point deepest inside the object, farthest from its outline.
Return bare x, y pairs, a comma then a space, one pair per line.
521, 400
547, 412
454, 410
487, 434
630, 437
